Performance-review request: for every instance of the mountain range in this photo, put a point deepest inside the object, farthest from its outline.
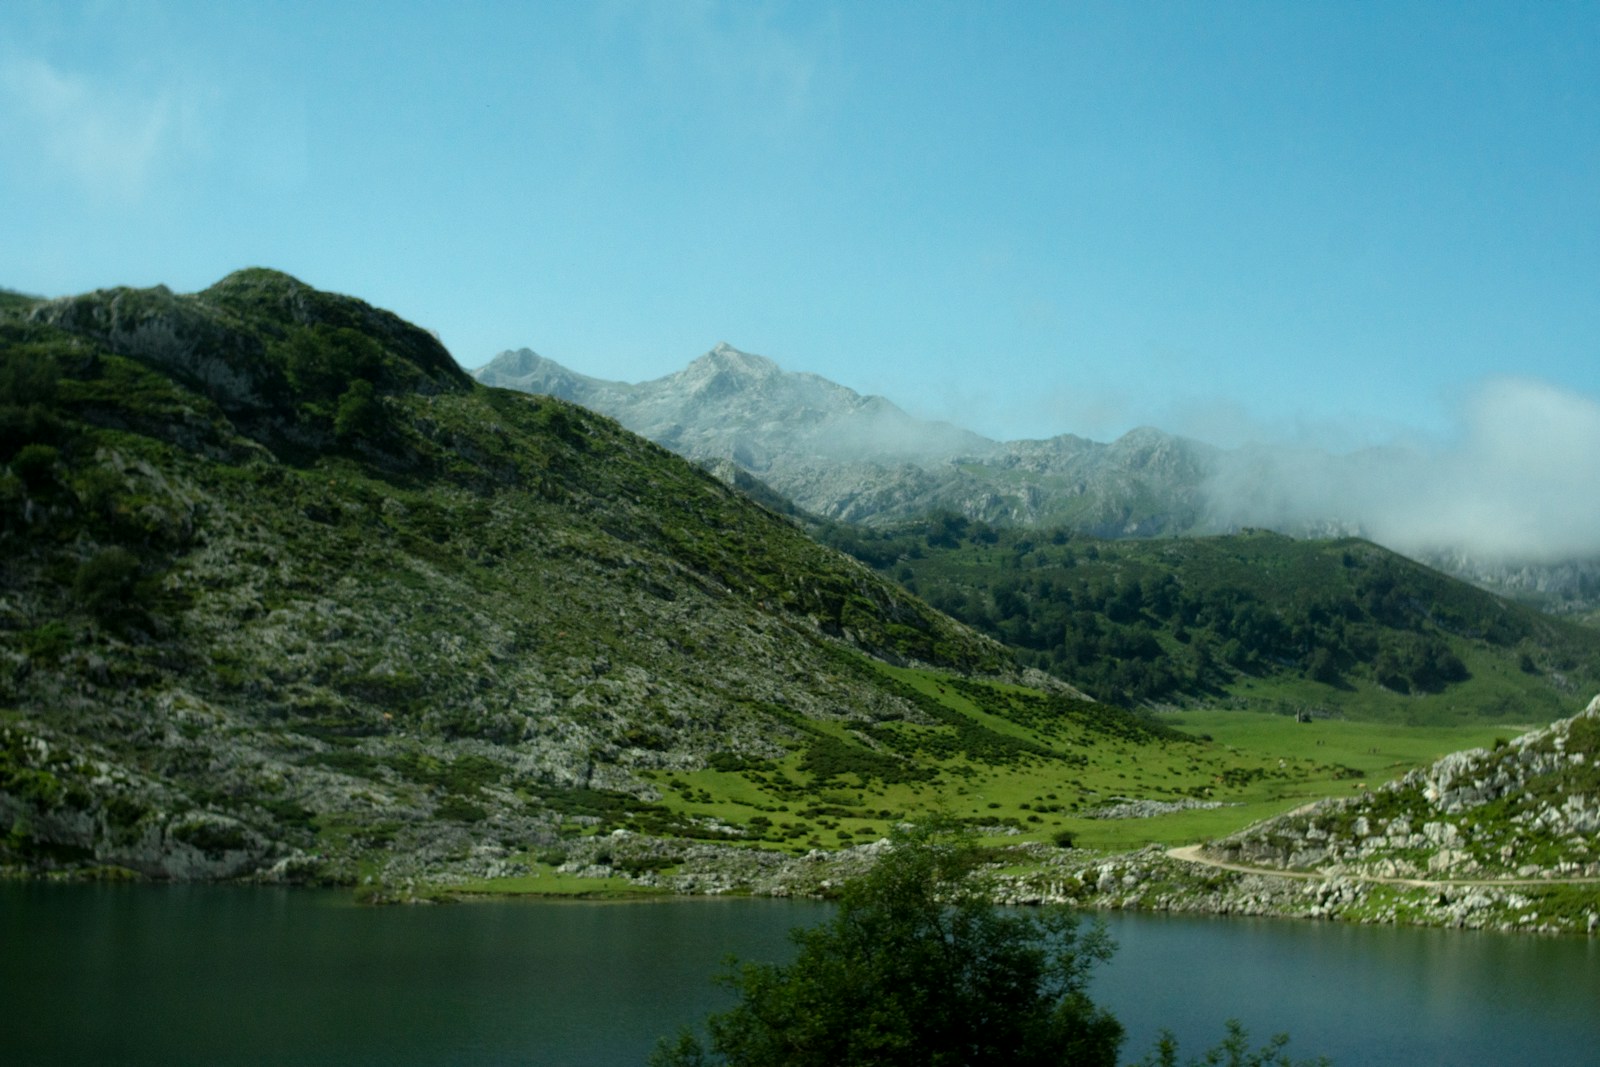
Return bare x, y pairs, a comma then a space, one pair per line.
285, 595
1255, 619
846, 457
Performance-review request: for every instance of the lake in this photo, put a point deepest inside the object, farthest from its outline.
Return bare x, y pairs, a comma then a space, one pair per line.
167, 975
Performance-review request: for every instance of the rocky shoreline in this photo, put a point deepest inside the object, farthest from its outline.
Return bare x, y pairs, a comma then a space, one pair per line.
1151, 879
1496, 839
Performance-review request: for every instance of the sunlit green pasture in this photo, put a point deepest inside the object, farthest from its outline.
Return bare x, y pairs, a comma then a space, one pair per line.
997, 758
1252, 763
1380, 750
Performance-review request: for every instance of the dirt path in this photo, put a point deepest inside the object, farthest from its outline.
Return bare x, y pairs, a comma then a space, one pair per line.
1192, 854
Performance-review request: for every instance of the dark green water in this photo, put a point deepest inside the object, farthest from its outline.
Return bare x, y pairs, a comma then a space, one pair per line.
202, 975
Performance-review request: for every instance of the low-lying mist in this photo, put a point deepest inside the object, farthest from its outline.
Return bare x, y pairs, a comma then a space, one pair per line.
1518, 481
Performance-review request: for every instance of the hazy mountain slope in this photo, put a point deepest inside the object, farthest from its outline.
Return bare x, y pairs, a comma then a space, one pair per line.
841, 455
528, 372
281, 585
1565, 587
845, 457
730, 403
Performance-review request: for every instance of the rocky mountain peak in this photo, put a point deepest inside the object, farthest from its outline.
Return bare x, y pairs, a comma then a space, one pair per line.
837, 453
530, 372
724, 359
521, 361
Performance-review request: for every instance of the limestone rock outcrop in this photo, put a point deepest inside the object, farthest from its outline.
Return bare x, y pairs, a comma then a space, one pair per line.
1527, 808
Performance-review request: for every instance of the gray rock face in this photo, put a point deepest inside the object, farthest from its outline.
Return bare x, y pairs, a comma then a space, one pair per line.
1563, 586
842, 455
731, 404
1148, 809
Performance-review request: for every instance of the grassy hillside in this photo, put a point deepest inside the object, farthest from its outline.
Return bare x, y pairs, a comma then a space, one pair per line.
1253, 620
280, 585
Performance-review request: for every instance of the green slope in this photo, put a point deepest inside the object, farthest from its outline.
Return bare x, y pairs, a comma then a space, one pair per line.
1253, 620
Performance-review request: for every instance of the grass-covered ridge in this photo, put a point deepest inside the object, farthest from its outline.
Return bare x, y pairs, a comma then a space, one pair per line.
1250, 620
281, 583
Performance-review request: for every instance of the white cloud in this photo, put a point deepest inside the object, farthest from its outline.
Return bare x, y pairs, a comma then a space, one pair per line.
110, 140
1519, 480
755, 67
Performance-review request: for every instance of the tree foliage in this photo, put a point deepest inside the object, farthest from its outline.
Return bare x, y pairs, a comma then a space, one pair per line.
104, 584
1232, 1051
1136, 621
359, 414
918, 966
321, 361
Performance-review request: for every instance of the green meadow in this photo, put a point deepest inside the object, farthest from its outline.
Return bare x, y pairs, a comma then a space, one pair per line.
1019, 767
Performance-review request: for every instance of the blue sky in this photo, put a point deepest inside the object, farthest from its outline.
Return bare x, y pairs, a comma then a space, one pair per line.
1340, 223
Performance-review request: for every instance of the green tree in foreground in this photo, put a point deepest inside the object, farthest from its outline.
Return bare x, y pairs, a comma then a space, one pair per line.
919, 968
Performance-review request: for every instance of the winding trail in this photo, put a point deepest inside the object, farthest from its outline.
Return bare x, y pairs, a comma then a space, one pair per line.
1192, 854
